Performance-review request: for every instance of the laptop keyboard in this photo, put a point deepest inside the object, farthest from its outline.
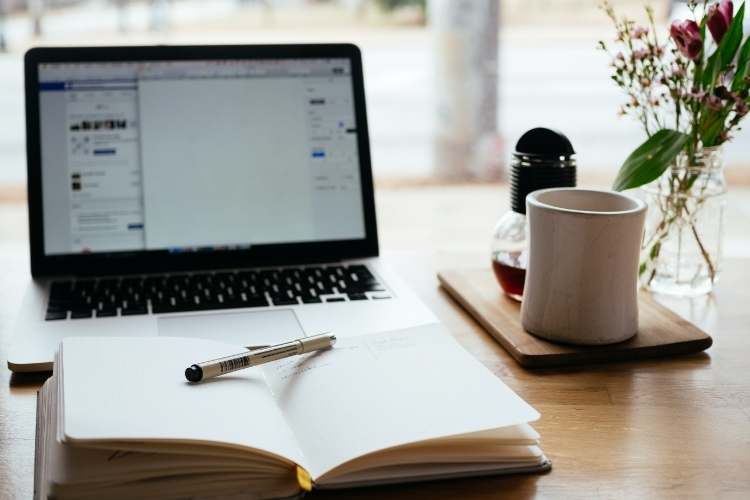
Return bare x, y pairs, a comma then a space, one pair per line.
172, 293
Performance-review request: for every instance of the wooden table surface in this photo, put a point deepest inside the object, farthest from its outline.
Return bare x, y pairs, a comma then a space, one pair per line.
675, 427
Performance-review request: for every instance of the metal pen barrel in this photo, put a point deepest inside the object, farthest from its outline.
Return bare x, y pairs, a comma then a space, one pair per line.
235, 362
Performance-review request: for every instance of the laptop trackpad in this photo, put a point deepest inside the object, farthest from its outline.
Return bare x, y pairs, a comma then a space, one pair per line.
240, 328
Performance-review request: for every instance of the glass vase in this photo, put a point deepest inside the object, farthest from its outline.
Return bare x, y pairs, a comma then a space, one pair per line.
682, 243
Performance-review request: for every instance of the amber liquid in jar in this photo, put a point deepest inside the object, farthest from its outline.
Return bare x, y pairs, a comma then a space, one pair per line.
510, 271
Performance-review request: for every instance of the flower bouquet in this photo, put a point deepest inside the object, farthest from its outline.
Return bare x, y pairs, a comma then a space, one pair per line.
689, 91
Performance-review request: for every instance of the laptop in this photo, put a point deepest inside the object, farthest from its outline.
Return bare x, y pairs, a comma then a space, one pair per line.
222, 192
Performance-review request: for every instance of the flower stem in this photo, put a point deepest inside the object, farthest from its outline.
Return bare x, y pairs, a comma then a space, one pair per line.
704, 252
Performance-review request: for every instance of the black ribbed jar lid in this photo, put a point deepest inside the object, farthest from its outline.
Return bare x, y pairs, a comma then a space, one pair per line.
544, 158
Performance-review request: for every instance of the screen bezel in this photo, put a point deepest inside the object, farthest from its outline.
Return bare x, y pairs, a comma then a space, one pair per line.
145, 261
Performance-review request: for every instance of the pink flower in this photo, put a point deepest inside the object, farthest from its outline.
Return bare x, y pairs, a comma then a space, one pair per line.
687, 36
713, 103
723, 93
638, 32
639, 54
719, 19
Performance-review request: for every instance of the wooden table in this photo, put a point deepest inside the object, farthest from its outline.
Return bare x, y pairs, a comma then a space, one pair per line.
662, 428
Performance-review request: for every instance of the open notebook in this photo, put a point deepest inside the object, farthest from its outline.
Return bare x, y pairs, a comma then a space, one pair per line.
117, 419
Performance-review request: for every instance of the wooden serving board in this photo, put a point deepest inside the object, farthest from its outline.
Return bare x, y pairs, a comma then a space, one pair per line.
662, 332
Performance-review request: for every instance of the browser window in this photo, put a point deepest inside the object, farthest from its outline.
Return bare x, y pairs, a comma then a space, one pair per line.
194, 155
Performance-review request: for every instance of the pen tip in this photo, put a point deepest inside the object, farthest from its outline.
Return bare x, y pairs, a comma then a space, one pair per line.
333, 339
193, 373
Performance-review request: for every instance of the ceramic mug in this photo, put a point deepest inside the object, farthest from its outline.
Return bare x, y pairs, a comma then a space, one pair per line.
582, 275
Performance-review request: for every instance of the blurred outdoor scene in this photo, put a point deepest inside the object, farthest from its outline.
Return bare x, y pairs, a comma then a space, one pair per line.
451, 84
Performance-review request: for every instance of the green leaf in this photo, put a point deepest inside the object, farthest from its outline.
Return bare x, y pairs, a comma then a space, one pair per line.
732, 39
699, 68
743, 65
650, 160
642, 268
654, 253
711, 71
724, 53
711, 125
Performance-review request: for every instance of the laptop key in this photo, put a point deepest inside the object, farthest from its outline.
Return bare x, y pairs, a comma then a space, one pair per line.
369, 286
55, 315
81, 313
311, 300
357, 296
254, 301
162, 307
361, 271
284, 301
58, 305
134, 309
106, 313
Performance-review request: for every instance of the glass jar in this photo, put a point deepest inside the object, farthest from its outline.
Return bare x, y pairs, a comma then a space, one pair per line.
682, 243
510, 253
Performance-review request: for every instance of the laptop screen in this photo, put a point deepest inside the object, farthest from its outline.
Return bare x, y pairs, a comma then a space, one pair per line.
198, 155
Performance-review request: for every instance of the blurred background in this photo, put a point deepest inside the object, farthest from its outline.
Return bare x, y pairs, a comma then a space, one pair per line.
451, 84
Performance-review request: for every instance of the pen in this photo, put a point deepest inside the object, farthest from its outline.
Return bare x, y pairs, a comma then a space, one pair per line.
220, 366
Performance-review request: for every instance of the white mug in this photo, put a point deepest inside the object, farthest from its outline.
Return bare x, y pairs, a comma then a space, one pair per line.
582, 275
